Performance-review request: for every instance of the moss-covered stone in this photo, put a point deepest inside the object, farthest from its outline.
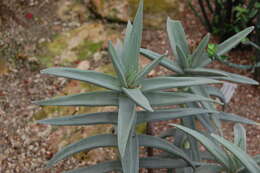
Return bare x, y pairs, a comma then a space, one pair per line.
114, 10
87, 49
76, 45
155, 11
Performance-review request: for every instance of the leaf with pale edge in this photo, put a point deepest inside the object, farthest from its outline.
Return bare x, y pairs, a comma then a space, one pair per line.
249, 163
96, 78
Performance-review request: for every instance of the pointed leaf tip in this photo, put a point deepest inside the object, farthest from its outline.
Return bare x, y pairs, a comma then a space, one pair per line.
138, 97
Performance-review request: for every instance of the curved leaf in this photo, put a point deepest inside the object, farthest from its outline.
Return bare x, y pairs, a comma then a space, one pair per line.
245, 159
130, 161
201, 90
211, 146
100, 98
111, 117
137, 96
237, 78
161, 83
197, 56
148, 68
235, 118
107, 140
170, 114
159, 143
177, 36
244, 170
132, 46
150, 162
204, 118
240, 136
173, 98
119, 51
117, 64
213, 91
233, 41
83, 119
93, 77
164, 62
209, 168
126, 122
182, 57
205, 72
126, 41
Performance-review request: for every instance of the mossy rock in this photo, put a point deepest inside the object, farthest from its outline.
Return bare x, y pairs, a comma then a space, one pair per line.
155, 11
79, 44
113, 10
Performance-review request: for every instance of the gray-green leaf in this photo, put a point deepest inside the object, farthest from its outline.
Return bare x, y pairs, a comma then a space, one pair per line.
132, 46
161, 83
119, 68
197, 56
147, 69
137, 96
126, 122
177, 36
92, 77
99, 98
211, 146
240, 136
233, 41
242, 156
164, 62
173, 98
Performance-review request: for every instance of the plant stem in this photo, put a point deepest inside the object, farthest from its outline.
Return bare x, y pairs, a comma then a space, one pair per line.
149, 131
229, 7
210, 6
257, 70
197, 14
205, 15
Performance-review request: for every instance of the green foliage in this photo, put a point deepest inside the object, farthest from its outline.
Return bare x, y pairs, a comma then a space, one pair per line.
233, 157
188, 64
225, 17
129, 89
126, 91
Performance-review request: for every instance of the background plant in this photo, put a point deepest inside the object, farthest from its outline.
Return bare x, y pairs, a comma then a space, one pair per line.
232, 158
226, 17
191, 64
128, 90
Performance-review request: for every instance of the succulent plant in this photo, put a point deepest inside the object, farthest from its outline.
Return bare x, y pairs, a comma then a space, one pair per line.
193, 64
230, 159
127, 90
